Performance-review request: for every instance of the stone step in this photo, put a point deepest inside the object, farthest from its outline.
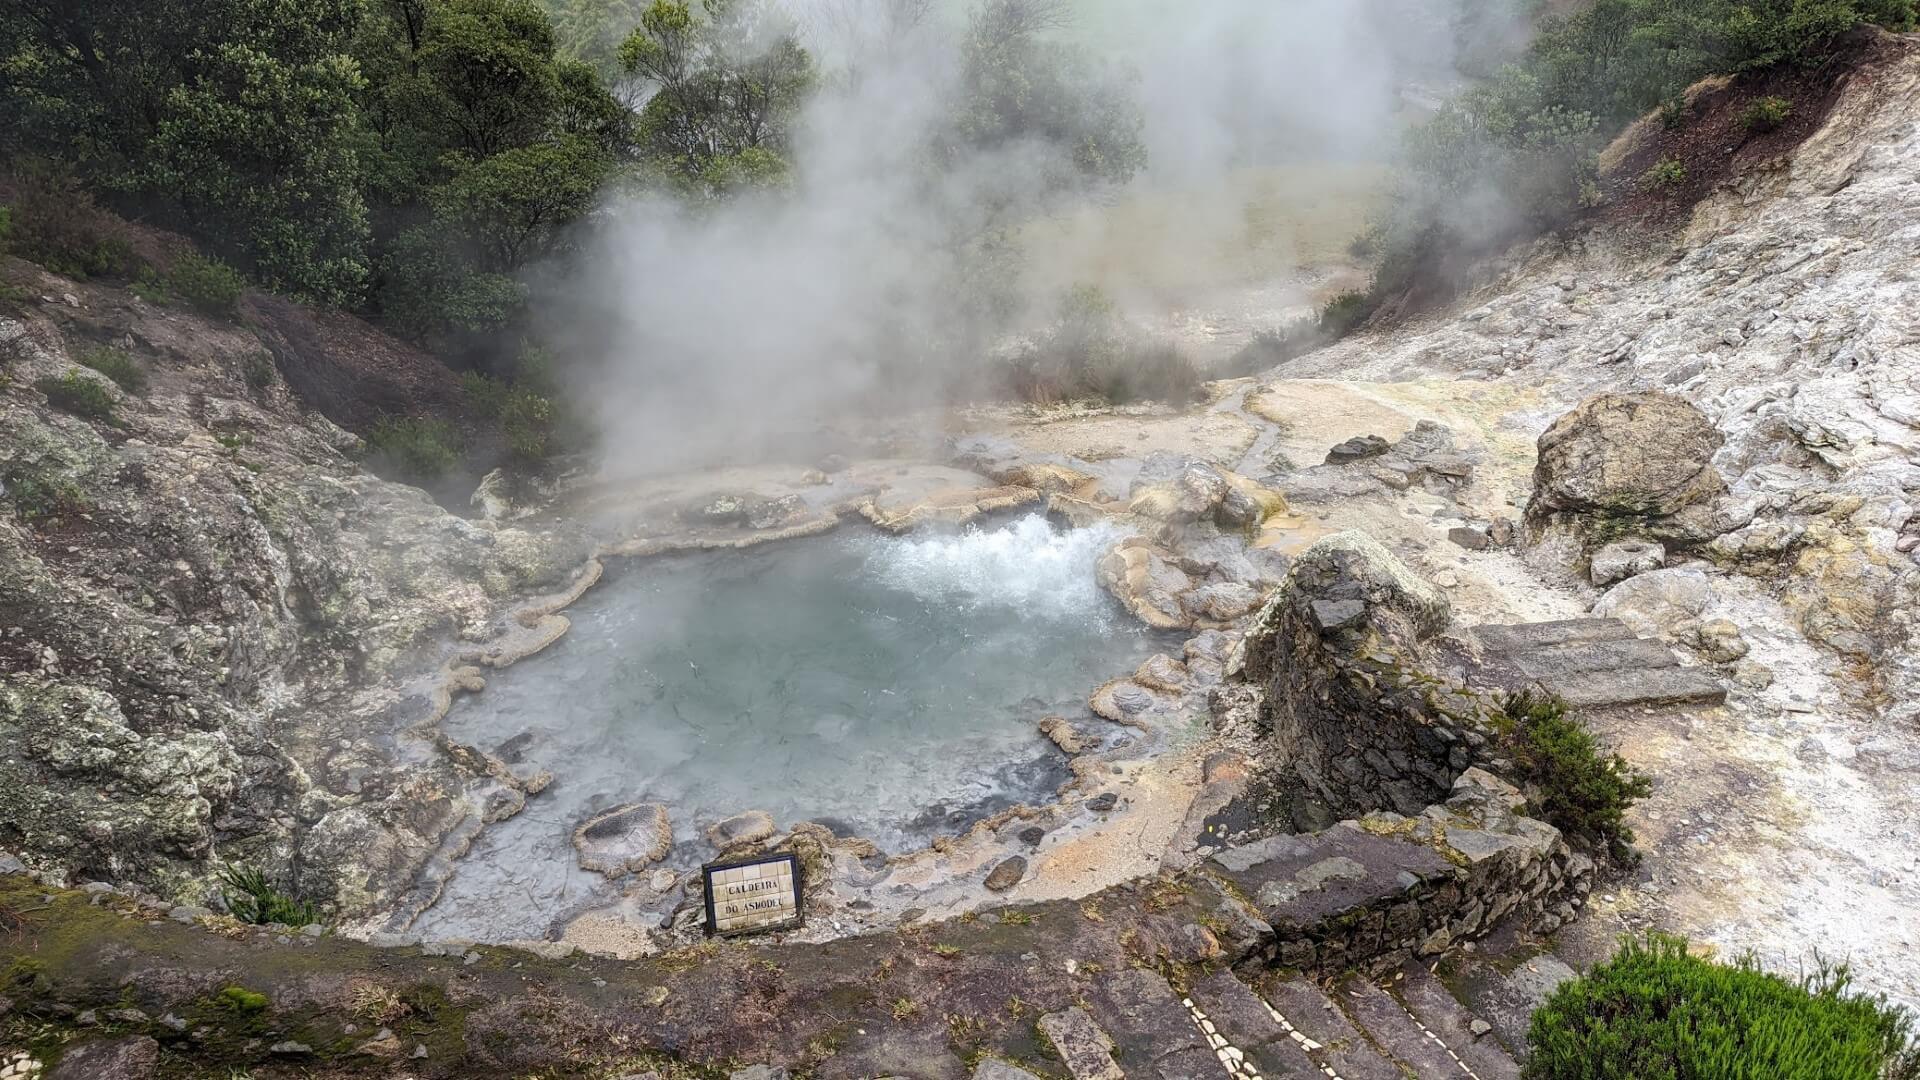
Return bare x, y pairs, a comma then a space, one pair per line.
1435, 1007
1397, 1033
1250, 1037
1613, 689
1519, 637
1086, 1050
1342, 1048
1582, 656
1152, 1030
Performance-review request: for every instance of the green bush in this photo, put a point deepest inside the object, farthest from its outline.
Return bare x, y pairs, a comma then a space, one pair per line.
35, 495
1655, 1013
1765, 114
78, 395
525, 418
418, 451
1091, 353
205, 284
259, 371
252, 899
6, 227
1345, 312
115, 364
1665, 173
58, 225
1569, 779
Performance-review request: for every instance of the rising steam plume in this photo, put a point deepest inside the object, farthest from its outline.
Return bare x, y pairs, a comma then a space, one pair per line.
724, 331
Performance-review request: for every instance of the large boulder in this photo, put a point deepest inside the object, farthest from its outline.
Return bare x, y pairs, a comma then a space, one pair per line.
1636, 464
1658, 604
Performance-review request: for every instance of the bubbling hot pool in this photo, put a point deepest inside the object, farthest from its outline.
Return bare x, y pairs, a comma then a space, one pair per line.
888, 688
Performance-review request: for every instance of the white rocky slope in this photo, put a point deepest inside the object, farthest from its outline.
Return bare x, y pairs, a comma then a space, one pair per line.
1788, 309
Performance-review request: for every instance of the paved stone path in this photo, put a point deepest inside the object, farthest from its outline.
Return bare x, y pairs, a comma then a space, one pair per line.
1405, 1025
1593, 664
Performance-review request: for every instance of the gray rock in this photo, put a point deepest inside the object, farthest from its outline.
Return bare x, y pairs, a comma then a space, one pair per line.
133, 1058
1644, 457
1471, 537
758, 1072
1103, 802
1358, 448
1086, 1050
995, 1069
777, 513
1623, 559
290, 1047
1719, 641
1658, 603
1007, 874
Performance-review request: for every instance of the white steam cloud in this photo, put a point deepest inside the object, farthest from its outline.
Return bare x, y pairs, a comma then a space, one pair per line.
732, 330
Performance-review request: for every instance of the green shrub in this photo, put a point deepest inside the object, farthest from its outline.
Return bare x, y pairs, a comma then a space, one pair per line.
117, 365
78, 395
242, 1000
207, 285
1765, 114
58, 225
259, 371
1568, 778
525, 418
1665, 173
1655, 1013
36, 495
6, 227
1342, 314
1093, 354
252, 899
418, 451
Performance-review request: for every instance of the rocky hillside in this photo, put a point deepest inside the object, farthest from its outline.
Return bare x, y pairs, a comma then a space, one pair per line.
208, 609
1784, 306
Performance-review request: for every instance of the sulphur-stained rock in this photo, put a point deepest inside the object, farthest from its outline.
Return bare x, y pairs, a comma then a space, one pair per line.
1059, 731
1125, 701
777, 513
1220, 604
752, 827
1719, 641
1638, 461
948, 508
1048, 478
1162, 672
624, 839
718, 510
1007, 874
1623, 559
1657, 604
1148, 582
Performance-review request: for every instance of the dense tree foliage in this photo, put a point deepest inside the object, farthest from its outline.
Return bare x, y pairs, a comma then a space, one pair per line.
1020, 86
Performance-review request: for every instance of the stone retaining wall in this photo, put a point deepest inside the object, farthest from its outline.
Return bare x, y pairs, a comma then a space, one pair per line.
1369, 894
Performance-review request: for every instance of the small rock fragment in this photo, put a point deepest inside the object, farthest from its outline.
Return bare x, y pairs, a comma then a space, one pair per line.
1006, 875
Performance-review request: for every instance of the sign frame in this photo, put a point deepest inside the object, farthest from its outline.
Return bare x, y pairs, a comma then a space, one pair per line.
708, 870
